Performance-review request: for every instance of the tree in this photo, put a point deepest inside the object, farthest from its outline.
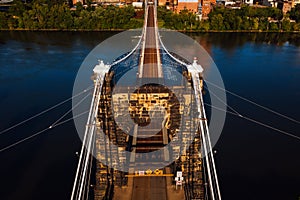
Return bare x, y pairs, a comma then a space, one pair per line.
254, 23
17, 8
244, 11
187, 18
67, 21
286, 24
177, 22
79, 8
296, 26
229, 20
273, 26
295, 13
27, 21
56, 2
41, 14
134, 23
204, 25
238, 23
276, 13
216, 22
263, 25
246, 24
168, 20
3, 20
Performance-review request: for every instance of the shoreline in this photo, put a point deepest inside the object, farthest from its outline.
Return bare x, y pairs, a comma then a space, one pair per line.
67, 30
120, 30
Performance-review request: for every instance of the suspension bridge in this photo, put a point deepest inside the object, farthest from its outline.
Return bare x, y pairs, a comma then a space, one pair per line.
144, 177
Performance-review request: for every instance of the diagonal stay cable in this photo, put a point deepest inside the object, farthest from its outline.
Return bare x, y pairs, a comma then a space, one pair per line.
65, 114
254, 103
40, 132
45, 111
235, 111
220, 109
257, 122
271, 127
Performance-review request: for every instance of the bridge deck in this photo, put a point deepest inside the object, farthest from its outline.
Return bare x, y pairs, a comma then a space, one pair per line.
149, 188
151, 55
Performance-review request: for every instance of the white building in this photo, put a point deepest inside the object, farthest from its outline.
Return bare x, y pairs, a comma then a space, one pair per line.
227, 3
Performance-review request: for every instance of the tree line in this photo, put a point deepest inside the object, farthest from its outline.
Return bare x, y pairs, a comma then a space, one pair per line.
247, 18
56, 14
43, 14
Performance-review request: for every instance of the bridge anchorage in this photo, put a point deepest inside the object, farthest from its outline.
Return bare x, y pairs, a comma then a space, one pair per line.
147, 128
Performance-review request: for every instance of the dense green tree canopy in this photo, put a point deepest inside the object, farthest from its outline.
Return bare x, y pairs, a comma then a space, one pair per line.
248, 18
56, 14
295, 13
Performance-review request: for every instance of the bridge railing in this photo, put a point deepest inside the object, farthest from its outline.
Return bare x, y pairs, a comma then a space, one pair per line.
159, 66
81, 185
143, 39
130, 53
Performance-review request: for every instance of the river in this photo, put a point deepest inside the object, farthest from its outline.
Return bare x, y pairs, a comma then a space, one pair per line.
38, 69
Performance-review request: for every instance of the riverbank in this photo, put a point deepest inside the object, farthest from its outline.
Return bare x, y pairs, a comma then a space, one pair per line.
120, 30
66, 30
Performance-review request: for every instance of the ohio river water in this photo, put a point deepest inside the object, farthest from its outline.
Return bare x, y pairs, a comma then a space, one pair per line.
37, 70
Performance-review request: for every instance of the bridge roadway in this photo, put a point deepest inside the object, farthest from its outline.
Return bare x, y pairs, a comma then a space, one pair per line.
150, 188
151, 57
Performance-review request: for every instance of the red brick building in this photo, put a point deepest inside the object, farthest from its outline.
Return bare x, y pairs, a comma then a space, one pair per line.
207, 6
193, 6
190, 5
